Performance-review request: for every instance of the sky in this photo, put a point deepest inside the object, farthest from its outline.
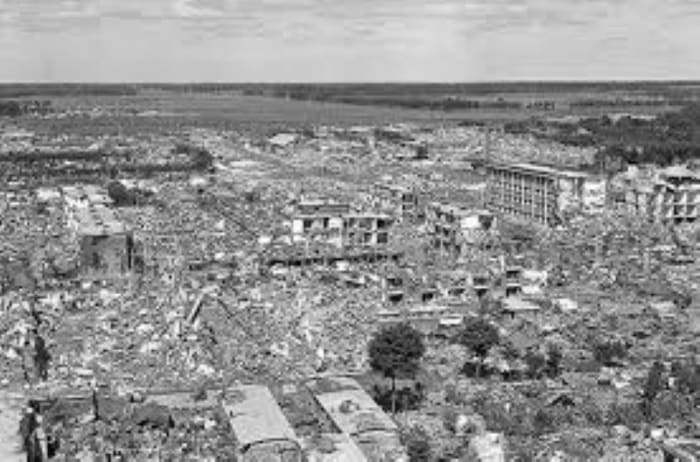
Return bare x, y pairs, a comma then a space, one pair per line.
348, 40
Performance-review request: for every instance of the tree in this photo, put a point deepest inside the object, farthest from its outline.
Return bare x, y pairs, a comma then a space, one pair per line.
687, 376
119, 194
536, 363
606, 353
417, 443
478, 336
396, 352
652, 386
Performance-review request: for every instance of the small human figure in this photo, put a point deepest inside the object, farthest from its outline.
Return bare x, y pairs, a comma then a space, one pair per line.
26, 429
41, 357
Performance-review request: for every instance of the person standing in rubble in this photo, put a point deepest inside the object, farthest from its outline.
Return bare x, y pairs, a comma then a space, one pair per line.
27, 347
34, 439
26, 429
41, 357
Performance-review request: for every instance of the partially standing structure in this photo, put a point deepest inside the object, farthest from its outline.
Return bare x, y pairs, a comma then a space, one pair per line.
673, 197
454, 229
542, 194
401, 201
105, 243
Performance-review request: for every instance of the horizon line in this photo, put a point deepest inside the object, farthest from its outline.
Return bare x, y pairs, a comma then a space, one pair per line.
358, 82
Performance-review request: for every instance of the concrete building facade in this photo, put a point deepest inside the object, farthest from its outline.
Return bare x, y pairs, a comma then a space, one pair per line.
335, 225
542, 194
453, 229
673, 197
105, 244
400, 201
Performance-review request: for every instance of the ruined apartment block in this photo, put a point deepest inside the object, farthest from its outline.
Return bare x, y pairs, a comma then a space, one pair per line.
106, 244
400, 201
542, 194
333, 224
673, 197
453, 229
319, 221
366, 230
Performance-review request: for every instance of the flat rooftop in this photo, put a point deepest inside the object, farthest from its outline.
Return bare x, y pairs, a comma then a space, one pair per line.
458, 210
255, 416
539, 169
98, 221
352, 410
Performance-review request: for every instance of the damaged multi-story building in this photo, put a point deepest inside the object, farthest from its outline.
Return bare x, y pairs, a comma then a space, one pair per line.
454, 229
671, 197
401, 201
106, 244
542, 194
334, 224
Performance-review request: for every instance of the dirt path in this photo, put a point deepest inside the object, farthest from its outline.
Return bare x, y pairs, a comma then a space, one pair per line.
11, 405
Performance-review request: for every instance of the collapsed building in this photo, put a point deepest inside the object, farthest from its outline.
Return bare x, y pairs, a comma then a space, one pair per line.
542, 194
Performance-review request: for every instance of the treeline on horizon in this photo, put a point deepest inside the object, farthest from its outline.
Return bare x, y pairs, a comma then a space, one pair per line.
327, 90
670, 138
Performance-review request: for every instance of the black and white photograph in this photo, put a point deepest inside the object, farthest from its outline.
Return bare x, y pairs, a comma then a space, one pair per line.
349, 231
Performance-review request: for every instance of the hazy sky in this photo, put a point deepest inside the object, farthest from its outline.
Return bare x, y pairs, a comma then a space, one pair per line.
348, 40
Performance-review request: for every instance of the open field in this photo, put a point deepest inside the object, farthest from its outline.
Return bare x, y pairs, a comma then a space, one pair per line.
273, 106
169, 111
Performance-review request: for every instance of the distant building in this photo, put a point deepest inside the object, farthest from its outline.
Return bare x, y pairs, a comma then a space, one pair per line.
333, 224
542, 194
283, 141
83, 196
106, 245
319, 221
487, 447
400, 201
366, 230
673, 197
453, 229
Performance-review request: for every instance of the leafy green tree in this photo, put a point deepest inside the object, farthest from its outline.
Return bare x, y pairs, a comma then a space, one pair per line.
119, 194
478, 336
417, 443
396, 352
606, 353
536, 363
652, 386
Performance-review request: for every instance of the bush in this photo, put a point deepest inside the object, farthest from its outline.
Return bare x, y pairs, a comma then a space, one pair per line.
628, 414
536, 363
417, 443
543, 422
608, 353
407, 399
120, 195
